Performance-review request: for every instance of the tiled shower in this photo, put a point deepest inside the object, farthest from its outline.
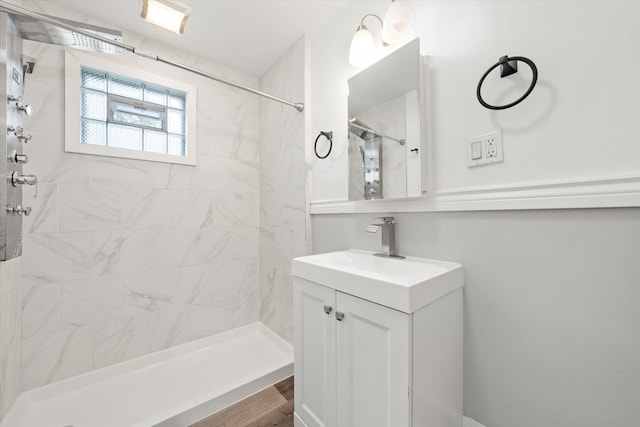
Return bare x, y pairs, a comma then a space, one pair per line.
126, 257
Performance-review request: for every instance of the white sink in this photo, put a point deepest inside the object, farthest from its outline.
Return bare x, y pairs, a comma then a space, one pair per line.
402, 284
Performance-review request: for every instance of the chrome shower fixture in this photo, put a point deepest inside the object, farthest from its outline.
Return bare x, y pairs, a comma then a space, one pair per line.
366, 133
37, 30
361, 130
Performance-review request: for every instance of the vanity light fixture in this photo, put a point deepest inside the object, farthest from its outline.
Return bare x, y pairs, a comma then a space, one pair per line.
395, 28
168, 14
363, 47
397, 22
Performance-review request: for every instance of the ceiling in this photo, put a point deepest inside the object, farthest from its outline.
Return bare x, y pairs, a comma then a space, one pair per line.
245, 35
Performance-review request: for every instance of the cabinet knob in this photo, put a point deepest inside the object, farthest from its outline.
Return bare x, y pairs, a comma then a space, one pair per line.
339, 316
328, 309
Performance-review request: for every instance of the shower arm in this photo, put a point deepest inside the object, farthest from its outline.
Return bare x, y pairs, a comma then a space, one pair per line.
399, 141
10, 8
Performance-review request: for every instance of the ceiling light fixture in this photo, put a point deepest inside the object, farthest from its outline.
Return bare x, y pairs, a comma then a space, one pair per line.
168, 14
395, 29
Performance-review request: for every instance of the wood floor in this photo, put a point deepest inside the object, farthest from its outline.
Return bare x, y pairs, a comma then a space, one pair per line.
272, 407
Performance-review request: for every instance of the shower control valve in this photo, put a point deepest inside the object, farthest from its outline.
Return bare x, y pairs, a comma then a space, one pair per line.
27, 109
17, 178
19, 210
18, 131
17, 158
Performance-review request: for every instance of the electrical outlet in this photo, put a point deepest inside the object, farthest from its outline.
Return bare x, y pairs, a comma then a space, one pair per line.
491, 146
485, 149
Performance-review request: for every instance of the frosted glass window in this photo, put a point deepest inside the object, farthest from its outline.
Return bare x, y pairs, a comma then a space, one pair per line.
155, 142
93, 105
125, 87
125, 113
125, 137
177, 145
95, 131
94, 79
155, 94
176, 100
175, 122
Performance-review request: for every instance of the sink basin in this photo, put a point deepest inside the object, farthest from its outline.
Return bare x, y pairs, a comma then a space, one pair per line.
402, 284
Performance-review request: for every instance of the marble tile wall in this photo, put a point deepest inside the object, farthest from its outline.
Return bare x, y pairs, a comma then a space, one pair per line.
10, 326
125, 257
283, 201
388, 118
356, 167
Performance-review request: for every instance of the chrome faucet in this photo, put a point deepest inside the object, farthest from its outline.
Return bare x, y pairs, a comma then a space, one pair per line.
388, 236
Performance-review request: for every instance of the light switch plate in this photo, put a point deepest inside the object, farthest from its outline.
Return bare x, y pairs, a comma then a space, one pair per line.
485, 149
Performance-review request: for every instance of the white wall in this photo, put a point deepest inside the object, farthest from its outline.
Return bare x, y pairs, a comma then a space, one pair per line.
551, 297
579, 122
551, 319
124, 257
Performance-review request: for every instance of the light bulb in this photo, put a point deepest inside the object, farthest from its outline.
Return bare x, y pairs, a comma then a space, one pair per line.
169, 14
363, 48
397, 22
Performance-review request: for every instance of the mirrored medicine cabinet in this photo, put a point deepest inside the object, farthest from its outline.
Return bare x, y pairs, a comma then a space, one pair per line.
386, 127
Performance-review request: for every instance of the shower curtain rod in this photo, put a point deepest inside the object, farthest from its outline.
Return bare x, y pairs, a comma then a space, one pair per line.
5, 7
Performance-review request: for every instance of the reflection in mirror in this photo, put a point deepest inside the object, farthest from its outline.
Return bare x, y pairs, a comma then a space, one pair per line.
385, 144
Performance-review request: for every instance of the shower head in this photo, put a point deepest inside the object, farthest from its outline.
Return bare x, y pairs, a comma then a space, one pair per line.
366, 133
36, 30
363, 134
361, 130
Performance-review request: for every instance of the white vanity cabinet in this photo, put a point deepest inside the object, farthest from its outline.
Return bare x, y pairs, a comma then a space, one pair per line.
361, 363
353, 371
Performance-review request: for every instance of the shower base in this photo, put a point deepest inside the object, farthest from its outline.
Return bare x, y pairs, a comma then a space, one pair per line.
170, 388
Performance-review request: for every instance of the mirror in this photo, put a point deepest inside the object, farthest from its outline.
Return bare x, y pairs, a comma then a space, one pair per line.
385, 127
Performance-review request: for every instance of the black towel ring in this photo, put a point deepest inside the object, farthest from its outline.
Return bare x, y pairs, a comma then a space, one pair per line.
508, 66
329, 136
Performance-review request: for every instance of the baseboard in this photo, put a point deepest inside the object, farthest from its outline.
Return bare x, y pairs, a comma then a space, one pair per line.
468, 422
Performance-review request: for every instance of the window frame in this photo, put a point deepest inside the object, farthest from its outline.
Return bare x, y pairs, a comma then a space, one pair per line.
74, 61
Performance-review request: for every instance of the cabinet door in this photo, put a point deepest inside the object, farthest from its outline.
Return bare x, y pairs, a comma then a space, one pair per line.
373, 364
314, 353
